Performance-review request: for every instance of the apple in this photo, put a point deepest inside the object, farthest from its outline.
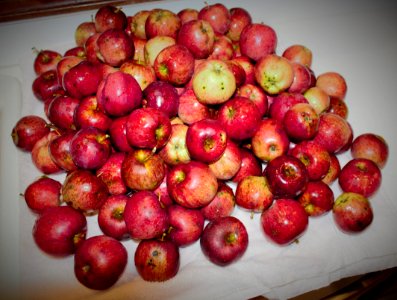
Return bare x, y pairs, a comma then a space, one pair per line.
60, 230
148, 128
111, 217
162, 22
99, 262
257, 40
238, 72
316, 159
110, 173
282, 102
59, 149
361, 176
187, 14
221, 205
240, 118
287, 176
318, 99
250, 165
192, 184
299, 54
333, 171
42, 193
285, 221
61, 111
274, 73
91, 49
217, 15
339, 107
352, 212
256, 95
88, 114
223, 48
90, 148
198, 36
162, 192
186, 225
144, 216
46, 85
302, 78
118, 134
227, 166
115, 47
224, 240
270, 140
334, 133
317, 198
119, 94
136, 24
175, 150
143, 170
41, 156
333, 84
371, 146
156, 260
109, 17
162, 96
46, 60
144, 74
213, 82
253, 193
154, 46
301, 122
247, 64
190, 109
83, 31
239, 19
28, 130
206, 140
77, 51
84, 191
139, 49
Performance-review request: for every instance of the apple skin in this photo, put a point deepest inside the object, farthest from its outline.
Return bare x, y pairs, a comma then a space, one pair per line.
302, 78
108, 17
186, 225
333, 171
143, 170
317, 198
111, 218
84, 191
228, 164
361, 176
136, 24
162, 96
110, 173
333, 84
162, 22
239, 19
206, 140
371, 146
247, 64
256, 95
42, 193
339, 107
46, 60
223, 48
154, 46
286, 175
88, 114
221, 205
99, 262
250, 165
59, 149
281, 103
61, 111
175, 150
41, 156
190, 109
144, 216
270, 140
316, 159
46, 85
253, 193
83, 31
28, 130
352, 213
299, 54
217, 15
187, 14
198, 36
59, 231
224, 240
285, 221
144, 74
318, 99
92, 49
257, 40
156, 260
192, 184
118, 134
115, 47
301, 122
65, 64
240, 117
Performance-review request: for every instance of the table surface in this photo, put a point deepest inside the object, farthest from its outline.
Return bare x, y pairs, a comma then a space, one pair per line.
355, 38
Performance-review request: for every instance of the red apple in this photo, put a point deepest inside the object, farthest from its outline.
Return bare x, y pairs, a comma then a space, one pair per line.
247, 64
59, 149
28, 130
61, 112
217, 15
256, 95
65, 64
187, 14
317, 199
99, 262
223, 48
111, 217
224, 240
59, 231
88, 114
333, 171
302, 78
143, 73
281, 103
250, 165
361, 176
299, 54
333, 84
110, 173
221, 205
92, 49
154, 46
46, 85
239, 19
41, 156
115, 47
301, 122
227, 166
46, 60
118, 134
285, 221
162, 22
144, 216
339, 107
109, 17
190, 109
156, 260
253, 193
370, 146
257, 40
162, 96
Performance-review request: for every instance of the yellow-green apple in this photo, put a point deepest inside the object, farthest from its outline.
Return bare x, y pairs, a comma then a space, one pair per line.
253, 194
175, 150
154, 46
83, 31
318, 99
371, 146
317, 198
257, 40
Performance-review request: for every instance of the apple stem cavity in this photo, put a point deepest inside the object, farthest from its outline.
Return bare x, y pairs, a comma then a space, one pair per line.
231, 237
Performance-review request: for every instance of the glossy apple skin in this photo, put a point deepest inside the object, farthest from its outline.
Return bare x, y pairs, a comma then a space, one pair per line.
318, 99
162, 96
83, 31
41, 156
206, 140
315, 157
371, 146
84, 191
239, 19
317, 198
221, 205
118, 134
282, 103
66, 63
108, 17
333, 83
190, 109
192, 185
186, 225
253, 193
217, 15
285, 221
28, 130
175, 150
46, 85
42, 193
136, 24
270, 140
338, 107
88, 114
361, 176
162, 22
250, 165
228, 164
144, 216
302, 78
187, 14
99, 262
156, 260
46, 60
256, 95
61, 111
224, 240
257, 40
299, 54
142, 170
115, 47
286, 175
333, 171
144, 74
111, 217
110, 173
59, 231
301, 122
352, 212
59, 149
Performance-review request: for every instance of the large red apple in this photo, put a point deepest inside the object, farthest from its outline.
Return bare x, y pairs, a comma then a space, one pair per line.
257, 40
253, 193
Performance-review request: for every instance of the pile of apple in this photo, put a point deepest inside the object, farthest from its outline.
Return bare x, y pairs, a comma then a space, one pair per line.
163, 122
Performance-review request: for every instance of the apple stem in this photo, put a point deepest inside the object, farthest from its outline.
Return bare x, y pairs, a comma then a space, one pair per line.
252, 215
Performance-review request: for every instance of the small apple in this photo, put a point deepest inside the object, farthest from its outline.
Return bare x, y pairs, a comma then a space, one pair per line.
83, 31
162, 22
59, 149
109, 17
339, 107
371, 146
333, 171
187, 14
175, 150
239, 19
61, 111
281, 103
46, 60
41, 156
88, 114
256, 95
250, 165
190, 109
299, 54
301, 122
217, 15
46, 85
43, 193
333, 84
115, 47
118, 134
302, 78
162, 96
317, 198
227, 166
110, 173
111, 217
